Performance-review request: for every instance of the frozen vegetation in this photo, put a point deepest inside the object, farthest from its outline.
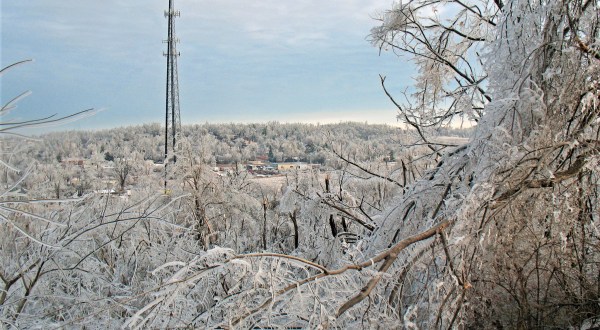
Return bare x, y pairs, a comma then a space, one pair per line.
370, 227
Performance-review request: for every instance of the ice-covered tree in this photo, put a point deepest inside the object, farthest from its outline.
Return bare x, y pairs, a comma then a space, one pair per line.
501, 233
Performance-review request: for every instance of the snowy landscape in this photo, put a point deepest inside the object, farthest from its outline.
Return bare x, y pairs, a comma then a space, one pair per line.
479, 211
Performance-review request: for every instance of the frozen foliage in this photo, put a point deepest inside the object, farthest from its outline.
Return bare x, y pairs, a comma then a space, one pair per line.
522, 196
444, 40
101, 260
519, 202
501, 232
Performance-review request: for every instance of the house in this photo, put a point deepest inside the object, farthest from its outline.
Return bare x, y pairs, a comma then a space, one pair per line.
255, 165
73, 162
283, 167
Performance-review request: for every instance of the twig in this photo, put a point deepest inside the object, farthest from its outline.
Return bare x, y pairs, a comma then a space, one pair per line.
366, 170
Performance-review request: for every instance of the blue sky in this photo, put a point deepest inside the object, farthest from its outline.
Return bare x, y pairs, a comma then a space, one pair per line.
241, 61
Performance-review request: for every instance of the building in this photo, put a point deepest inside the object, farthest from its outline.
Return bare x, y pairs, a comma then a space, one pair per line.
73, 162
283, 167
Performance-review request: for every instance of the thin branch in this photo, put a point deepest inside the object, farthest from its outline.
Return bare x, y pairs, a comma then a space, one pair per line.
283, 256
449, 258
366, 170
48, 120
586, 49
545, 183
14, 65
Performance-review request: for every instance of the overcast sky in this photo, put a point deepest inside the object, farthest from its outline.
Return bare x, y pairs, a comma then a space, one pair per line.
241, 61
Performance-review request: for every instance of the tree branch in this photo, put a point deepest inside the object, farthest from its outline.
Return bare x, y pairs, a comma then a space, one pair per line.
389, 257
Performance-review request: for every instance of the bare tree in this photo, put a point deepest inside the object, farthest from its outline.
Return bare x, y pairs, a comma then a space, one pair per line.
123, 169
444, 40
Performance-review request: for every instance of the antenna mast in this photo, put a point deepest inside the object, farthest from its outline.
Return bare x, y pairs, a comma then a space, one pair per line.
172, 116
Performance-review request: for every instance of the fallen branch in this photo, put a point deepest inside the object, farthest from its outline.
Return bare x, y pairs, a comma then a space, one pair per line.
388, 257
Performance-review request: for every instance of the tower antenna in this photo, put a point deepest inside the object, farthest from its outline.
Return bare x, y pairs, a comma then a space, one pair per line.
172, 116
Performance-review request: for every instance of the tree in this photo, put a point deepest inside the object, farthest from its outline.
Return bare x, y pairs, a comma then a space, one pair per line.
444, 41
123, 168
517, 197
270, 155
57, 178
31, 241
108, 156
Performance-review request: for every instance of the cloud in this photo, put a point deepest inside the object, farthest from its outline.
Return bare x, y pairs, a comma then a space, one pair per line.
118, 28
115, 29
278, 24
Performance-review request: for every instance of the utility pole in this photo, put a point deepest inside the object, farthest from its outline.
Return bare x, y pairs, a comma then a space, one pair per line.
172, 116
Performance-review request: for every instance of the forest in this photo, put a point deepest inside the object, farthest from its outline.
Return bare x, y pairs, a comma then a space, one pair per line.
428, 226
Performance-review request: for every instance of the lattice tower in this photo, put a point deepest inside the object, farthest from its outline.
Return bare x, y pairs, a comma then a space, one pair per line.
172, 115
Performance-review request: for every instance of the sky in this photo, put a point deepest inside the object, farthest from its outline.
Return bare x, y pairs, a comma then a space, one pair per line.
241, 61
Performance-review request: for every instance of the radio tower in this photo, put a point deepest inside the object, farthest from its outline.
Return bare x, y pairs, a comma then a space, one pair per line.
172, 117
